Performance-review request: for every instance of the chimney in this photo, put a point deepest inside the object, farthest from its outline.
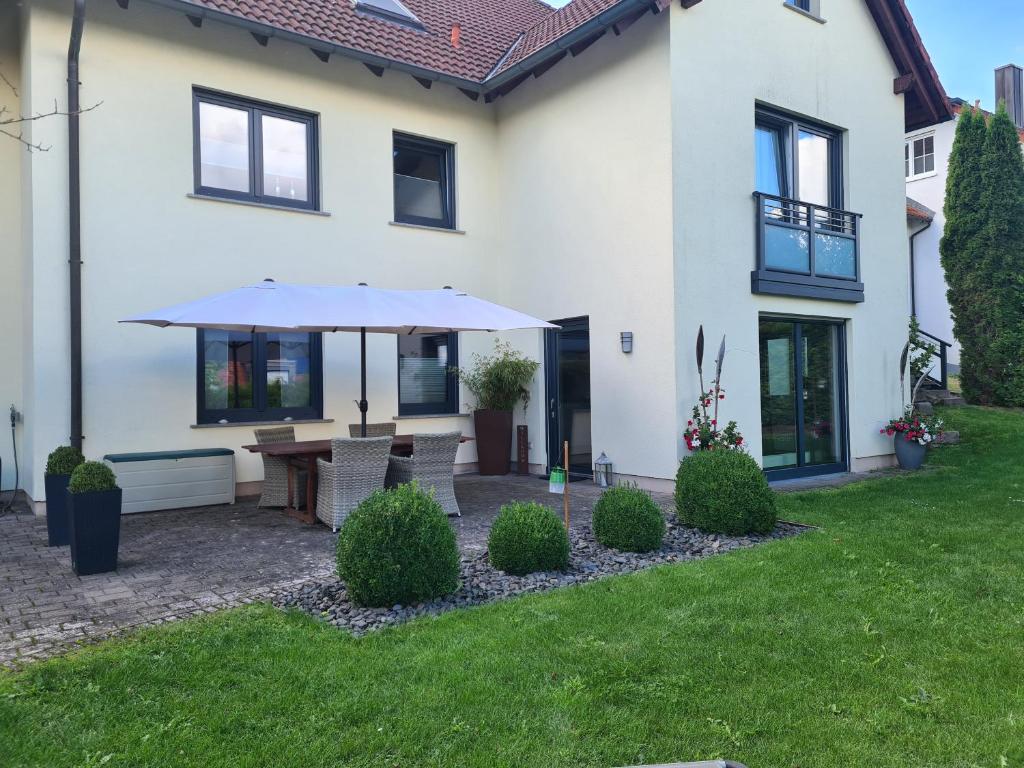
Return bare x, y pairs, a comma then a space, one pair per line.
1010, 88
456, 35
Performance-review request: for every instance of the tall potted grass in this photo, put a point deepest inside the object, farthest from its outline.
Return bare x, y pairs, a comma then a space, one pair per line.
94, 511
59, 465
499, 381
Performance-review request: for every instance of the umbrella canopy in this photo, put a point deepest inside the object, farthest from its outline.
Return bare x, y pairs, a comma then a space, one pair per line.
271, 306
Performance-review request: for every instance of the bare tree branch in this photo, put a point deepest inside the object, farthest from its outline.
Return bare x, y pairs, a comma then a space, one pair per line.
9, 84
12, 125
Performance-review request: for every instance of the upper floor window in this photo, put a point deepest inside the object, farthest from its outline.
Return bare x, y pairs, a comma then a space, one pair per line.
389, 10
807, 244
424, 181
249, 150
258, 376
803, 5
426, 384
919, 157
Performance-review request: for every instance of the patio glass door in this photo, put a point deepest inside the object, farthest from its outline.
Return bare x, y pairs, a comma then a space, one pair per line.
803, 397
567, 358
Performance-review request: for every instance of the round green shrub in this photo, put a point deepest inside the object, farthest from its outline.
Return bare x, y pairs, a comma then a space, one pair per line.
63, 460
527, 537
92, 476
724, 492
626, 518
398, 548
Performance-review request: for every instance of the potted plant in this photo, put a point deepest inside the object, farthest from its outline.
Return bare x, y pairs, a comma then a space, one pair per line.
911, 435
703, 432
59, 466
94, 511
499, 381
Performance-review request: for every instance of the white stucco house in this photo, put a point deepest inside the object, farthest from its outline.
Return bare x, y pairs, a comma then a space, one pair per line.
594, 165
926, 162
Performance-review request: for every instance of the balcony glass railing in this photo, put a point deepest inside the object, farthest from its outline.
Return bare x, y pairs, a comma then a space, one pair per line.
807, 250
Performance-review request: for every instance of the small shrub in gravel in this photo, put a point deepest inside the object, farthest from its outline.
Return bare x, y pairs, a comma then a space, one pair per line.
398, 548
527, 537
724, 492
626, 518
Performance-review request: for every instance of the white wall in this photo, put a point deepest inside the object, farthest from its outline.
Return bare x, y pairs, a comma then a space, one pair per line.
10, 245
587, 222
838, 73
930, 279
146, 244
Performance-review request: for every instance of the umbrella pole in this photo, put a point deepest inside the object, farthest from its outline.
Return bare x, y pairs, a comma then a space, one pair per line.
363, 405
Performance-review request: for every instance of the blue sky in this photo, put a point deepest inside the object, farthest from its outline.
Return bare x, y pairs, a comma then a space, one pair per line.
968, 40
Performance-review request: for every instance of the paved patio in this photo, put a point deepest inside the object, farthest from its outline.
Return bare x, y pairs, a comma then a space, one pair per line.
181, 563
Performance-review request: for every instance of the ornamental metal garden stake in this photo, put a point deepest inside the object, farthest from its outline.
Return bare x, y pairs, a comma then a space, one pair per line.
565, 493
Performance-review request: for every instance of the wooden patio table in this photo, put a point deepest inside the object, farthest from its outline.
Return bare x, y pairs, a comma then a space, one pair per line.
304, 453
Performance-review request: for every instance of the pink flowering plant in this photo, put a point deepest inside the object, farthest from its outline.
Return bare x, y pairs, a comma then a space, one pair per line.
914, 427
703, 432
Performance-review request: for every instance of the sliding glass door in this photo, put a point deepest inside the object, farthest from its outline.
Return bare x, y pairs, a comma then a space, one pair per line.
803, 397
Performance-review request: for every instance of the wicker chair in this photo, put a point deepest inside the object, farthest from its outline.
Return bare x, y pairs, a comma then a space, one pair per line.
357, 468
275, 469
386, 428
432, 465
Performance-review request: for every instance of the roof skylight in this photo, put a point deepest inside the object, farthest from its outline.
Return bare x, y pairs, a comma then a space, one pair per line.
389, 10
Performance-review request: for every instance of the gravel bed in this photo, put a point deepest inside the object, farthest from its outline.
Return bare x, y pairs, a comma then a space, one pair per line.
480, 583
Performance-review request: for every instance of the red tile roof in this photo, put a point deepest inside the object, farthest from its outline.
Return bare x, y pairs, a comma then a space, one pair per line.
497, 35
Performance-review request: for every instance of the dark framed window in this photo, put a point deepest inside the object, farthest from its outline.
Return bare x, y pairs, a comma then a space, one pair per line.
803, 5
389, 10
426, 384
254, 151
424, 172
243, 376
807, 244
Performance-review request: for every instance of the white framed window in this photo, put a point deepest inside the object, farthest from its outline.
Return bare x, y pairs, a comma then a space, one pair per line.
919, 157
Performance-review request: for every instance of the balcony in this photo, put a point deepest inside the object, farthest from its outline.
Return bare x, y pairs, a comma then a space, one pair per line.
807, 251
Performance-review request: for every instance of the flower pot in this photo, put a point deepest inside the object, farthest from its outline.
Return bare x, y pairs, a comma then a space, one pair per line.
909, 453
57, 530
95, 519
493, 441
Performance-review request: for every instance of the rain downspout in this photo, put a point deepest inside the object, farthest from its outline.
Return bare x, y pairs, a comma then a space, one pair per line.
913, 278
75, 225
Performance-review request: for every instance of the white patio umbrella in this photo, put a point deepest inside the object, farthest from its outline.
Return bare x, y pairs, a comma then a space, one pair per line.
270, 307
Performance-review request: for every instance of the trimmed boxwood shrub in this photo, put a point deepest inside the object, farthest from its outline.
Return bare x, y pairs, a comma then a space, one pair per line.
92, 476
398, 548
724, 492
527, 537
626, 518
63, 460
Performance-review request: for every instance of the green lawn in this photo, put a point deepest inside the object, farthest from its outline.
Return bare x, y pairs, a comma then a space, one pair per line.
894, 636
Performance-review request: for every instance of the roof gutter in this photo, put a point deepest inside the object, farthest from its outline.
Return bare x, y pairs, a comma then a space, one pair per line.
587, 29
75, 225
315, 43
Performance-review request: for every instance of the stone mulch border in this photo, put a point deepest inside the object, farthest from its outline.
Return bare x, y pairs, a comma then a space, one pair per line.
480, 583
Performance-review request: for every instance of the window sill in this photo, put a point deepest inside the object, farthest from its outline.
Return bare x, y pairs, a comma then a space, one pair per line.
432, 416
806, 286
427, 227
920, 176
275, 423
802, 12
253, 204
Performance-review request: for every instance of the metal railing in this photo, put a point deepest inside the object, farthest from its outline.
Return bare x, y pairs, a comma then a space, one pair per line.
940, 357
806, 239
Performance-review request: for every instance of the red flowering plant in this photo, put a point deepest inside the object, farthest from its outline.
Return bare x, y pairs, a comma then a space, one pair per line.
703, 432
914, 427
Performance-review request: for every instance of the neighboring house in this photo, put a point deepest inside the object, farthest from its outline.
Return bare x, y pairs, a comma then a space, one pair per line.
593, 165
926, 162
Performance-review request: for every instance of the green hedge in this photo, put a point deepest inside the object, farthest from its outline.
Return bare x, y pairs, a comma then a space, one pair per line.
92, 476
398, 548
626, 518
527, 537
724, 492
63, 460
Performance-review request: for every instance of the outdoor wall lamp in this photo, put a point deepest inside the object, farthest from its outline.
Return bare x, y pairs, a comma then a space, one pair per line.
626, 338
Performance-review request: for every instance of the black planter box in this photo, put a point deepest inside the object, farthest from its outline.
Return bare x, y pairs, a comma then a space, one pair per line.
58, 531
95, 519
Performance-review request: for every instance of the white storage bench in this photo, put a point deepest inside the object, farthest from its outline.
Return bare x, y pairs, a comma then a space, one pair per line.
174, 479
